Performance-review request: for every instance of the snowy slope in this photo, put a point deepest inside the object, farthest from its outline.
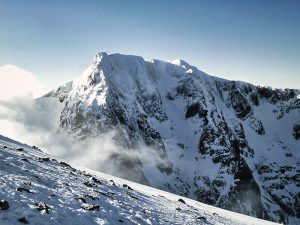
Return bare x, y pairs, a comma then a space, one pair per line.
225, 143
41, 189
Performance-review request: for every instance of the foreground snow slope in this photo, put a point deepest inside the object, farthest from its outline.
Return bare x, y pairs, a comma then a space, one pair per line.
41, 189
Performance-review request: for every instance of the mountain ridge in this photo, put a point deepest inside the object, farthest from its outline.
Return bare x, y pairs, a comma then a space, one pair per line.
226, 143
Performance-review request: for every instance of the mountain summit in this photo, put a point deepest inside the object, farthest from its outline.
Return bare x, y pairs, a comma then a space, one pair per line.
230, 144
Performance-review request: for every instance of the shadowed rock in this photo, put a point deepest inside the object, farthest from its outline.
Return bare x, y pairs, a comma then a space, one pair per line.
90, 207
4, 205
23, 220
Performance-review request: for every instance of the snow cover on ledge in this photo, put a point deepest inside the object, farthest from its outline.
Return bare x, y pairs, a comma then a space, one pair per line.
42, 189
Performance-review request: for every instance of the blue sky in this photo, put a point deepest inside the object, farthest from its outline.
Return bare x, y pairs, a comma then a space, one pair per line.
254, 41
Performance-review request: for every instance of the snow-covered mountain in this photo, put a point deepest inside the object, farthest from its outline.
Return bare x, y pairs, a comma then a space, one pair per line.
225, 143
36, 188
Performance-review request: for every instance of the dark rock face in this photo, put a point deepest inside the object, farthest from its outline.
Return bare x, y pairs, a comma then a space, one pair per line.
246, 192
296, 130
225, 131
240, 105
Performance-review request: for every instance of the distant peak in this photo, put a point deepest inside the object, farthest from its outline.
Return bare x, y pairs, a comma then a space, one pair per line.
99, 56
184, 64
179, 62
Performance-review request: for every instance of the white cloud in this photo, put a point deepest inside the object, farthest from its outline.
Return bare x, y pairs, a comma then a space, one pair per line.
36, 122
15, 81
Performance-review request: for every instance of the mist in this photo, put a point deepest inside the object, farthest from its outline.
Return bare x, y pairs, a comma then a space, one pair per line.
28, 120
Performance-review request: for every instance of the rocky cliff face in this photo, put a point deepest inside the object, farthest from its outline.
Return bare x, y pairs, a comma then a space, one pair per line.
225, 143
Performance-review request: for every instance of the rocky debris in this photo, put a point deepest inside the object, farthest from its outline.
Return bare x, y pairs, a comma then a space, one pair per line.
23, 220
254, 99
93, 197
45, 159
41, 206
27, 182
96, 180
89, 207
19, 149
275, 95
296, 131
127, 187
200, 218
88, 184
181, 200
36, 176
132, 196
81, 199
240, 105
257, 126
106, 194
111, 182
24, 159
21, 189
4, 205
65, 164
36, 148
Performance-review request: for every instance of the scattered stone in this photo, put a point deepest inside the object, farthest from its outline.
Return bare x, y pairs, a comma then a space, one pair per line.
20, 189
181, 200
200, 218
46, 159
25, 160
128, 187
36, 176
4, 205
107, 194
132, 196
87, 174
92, 197
23, 220
178, 208
81, 199
89, 207
112, 183
27, 182
88, 184
36, 148
96, 180
42, 206
65, 164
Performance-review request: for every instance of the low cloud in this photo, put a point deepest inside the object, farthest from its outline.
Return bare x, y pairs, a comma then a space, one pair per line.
27, 120
36, 122
15, 81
